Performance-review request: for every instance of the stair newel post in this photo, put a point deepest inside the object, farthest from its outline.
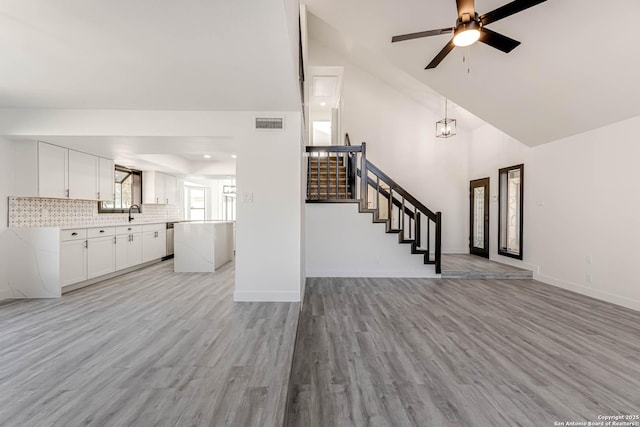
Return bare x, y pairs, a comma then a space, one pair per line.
364, 174
390, 209
337, 170
318, 171
417, 228
438, 241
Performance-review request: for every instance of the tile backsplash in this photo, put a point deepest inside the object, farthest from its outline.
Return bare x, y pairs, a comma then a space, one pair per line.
28, 212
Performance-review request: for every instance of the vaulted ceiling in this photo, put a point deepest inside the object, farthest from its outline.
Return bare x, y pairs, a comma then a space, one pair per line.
576, 68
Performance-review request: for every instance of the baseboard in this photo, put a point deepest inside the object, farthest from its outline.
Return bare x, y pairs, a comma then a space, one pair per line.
266, 296
5, 294
380, 274
590, 292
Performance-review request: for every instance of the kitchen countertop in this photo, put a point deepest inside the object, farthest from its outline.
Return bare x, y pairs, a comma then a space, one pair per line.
120, 224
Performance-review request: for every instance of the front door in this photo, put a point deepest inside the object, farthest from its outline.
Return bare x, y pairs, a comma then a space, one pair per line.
479, 217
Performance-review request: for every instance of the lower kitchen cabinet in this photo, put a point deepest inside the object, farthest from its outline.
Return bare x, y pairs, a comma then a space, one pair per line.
73, 262
154, 244
128, 250
101, 256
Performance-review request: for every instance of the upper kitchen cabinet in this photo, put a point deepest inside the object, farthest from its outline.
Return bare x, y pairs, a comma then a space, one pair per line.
106, 180
159, 188
83, 176
52, 171
46, 170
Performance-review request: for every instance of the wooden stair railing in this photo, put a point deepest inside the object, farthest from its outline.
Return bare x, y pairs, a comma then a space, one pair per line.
335, 174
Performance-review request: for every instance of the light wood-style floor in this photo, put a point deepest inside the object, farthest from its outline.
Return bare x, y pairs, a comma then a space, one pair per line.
441, 352
151, 348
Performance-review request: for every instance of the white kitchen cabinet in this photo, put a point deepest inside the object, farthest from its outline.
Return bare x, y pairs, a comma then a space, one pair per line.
128, 250
101, 256
73, 262
159, 188
83, 176
154, 245
51, 171
46, 170
106, 179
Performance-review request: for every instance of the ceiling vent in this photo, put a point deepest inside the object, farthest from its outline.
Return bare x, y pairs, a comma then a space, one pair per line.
270, 123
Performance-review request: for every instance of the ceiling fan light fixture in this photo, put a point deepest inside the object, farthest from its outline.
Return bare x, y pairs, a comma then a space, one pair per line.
466, 34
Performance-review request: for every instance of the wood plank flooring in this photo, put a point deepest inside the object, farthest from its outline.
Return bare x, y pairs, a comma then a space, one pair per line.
150, 348
461, 266
441, 352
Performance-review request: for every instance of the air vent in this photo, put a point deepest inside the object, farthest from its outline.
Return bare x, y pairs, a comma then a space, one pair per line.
269, 123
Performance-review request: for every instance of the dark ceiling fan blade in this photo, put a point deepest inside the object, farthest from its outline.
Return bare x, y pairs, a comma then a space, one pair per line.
465, 6
497, 40
508, 10
440, 56
421, 34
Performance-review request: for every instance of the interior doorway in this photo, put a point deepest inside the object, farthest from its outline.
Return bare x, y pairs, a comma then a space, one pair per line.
479, 217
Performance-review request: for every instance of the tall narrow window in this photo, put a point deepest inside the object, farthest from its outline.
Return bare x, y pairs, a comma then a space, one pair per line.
510, 219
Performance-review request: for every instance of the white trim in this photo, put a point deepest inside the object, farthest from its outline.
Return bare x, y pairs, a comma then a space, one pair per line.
266, 296
593, 293
378, 274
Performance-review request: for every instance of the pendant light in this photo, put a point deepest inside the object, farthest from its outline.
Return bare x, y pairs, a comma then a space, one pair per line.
445, 128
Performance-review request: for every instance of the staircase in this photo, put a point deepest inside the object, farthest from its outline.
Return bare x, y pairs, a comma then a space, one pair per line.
342, 174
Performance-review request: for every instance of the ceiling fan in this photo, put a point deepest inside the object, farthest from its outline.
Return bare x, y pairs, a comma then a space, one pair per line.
470, 28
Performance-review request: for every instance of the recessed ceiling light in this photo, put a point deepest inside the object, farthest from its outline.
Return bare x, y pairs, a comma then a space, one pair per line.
207, 156
322, 104
233, 156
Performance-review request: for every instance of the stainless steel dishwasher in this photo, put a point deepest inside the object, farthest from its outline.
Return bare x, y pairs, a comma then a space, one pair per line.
169, 240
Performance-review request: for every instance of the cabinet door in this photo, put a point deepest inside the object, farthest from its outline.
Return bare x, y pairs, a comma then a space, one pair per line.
83, 176
122, 251
106, 180
135, 249
52, 171
171, 189
160, 188
101, 256
73, 262
154, 245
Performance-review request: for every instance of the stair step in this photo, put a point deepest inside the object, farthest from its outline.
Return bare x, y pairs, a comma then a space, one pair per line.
401, 240
393, 230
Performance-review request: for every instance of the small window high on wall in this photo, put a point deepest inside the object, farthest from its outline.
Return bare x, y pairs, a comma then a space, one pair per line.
510, 219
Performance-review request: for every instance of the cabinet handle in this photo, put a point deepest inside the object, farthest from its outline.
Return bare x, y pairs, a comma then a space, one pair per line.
98, 195
115, 240
86, 244
129, 229
74, 234
102, 231
67, 192
131, 237
156, 234
157, 200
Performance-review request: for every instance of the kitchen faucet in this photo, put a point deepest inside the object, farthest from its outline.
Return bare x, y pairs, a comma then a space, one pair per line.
131, 207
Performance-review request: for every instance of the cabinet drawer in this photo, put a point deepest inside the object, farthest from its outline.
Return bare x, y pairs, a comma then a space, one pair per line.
101, 232
128, 229
73, 234
154, 227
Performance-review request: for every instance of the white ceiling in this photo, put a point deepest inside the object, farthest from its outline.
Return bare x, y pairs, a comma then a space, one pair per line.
183, 156
575, 70
146, 55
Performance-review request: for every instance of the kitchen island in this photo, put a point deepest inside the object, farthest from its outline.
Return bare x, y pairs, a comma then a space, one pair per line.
202, 246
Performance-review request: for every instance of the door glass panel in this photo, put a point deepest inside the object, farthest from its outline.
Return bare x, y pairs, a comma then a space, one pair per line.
478, 217
510, 232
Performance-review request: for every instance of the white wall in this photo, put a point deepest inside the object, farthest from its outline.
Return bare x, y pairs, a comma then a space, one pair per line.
269, 218
400, 137
6, 189
580, 200
341, 242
